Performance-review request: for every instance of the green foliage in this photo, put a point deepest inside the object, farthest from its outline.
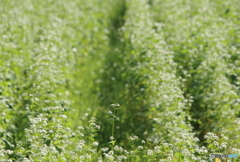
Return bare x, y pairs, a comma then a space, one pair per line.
201, 44
173, 67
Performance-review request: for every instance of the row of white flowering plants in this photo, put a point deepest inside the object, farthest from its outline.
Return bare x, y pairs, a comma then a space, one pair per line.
119, 80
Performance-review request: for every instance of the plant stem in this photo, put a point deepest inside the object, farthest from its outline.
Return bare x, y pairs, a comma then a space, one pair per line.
113, 122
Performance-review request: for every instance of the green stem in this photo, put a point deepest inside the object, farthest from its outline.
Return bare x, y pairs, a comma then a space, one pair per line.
113, 122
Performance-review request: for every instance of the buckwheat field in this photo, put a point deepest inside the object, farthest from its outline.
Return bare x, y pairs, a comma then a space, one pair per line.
119, 80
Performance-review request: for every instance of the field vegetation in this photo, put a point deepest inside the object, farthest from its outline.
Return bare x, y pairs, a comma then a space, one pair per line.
119, 80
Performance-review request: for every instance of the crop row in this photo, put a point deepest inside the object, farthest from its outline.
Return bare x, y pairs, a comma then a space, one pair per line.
43, 48
205, 51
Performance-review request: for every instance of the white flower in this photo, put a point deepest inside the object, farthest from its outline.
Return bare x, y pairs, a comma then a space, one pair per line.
105, 149
121, 157
97, 126
95, 144
9, 151
99, 159
215, 143
149, 152
74, 49
111, 138
110, 113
